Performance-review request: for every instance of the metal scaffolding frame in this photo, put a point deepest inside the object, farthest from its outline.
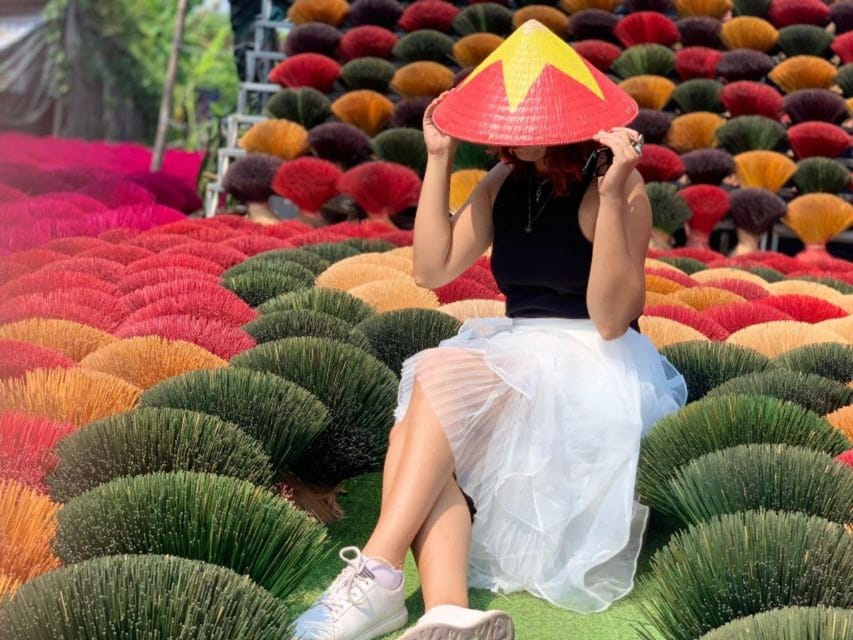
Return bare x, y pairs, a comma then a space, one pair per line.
252, 90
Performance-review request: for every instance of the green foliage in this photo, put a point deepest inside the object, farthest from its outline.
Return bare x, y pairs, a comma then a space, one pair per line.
256, 287
487, 17
198, 516
332, 301
811, 391
804, 40
761, 476
147, 596
712, 424
744, 563
771, 275
706, 365
844, 78
829, 359
282, 416
687, 265
128, 43
653, 59
395, 336
359, 391
332, 251
272, 261
821, 175
788, 623
311, 261
368, 73
304, 322
149, 440
757, 8
424, 44
838, 285
267, 280
403, 146
669, 210
304, 105
473, 156
748, 133
207, 63
371, 245
699, 94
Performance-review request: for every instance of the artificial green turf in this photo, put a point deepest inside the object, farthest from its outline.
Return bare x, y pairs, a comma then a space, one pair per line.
534, 619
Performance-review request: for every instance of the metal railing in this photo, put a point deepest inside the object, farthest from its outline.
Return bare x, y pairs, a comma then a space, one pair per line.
252, 93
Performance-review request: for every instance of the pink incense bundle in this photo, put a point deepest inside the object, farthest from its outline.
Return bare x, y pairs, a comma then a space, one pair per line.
221, 338
463, 289
428, 14
743, 288
805, 308
316, 236
697, 62
362, 228
734, 317
366, 41
253, 245
690, 317
18, 356
381, 188
307, 70
646, 27
307, 182
600, 53
217, 303
660, 164
26, 447
709, 205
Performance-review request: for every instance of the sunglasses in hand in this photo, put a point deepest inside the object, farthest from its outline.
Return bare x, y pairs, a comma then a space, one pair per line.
598, 162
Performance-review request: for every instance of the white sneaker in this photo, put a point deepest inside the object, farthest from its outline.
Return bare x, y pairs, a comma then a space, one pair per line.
449, 622
354, 607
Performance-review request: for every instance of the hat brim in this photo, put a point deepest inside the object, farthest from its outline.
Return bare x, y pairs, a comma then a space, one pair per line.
557, 110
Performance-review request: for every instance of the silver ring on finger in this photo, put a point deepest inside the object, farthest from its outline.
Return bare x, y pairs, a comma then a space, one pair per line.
637, 145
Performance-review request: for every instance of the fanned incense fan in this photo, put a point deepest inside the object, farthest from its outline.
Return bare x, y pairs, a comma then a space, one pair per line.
816, 218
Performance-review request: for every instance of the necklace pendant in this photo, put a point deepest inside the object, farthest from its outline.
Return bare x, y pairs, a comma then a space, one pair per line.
528, 229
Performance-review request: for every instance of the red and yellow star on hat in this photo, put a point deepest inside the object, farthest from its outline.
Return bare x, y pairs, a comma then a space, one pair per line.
533, 90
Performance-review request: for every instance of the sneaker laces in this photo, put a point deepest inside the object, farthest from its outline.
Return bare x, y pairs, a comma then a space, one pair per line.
349, 587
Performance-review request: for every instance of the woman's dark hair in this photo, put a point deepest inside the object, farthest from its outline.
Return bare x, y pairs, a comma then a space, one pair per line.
564, 163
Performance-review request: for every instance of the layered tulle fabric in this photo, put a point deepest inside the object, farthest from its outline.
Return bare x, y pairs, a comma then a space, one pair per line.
545, 420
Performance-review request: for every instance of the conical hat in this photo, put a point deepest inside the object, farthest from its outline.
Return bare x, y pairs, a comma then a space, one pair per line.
534, 89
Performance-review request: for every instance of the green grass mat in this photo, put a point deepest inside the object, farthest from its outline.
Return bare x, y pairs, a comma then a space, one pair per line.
534, 619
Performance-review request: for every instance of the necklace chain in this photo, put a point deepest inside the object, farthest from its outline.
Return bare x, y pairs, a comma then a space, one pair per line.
530, 217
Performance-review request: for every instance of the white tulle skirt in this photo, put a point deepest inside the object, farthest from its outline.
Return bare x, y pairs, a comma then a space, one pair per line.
545, 420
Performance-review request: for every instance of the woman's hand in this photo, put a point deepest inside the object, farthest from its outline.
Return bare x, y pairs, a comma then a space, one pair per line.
619, 140
437, 142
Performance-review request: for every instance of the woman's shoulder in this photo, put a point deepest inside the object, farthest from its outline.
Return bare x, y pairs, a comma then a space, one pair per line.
497, 176
499, 173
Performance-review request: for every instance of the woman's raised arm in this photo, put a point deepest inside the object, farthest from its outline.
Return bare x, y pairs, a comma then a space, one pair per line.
445, 247
617, 284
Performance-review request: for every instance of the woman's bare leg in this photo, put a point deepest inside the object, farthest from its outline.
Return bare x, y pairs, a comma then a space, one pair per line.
441, 550
424, 467
442, 545
396, 442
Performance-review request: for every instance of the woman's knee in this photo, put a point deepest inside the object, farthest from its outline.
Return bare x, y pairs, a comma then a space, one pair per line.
417, 411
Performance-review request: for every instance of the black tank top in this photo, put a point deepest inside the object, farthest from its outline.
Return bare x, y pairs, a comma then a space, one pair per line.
544, 273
